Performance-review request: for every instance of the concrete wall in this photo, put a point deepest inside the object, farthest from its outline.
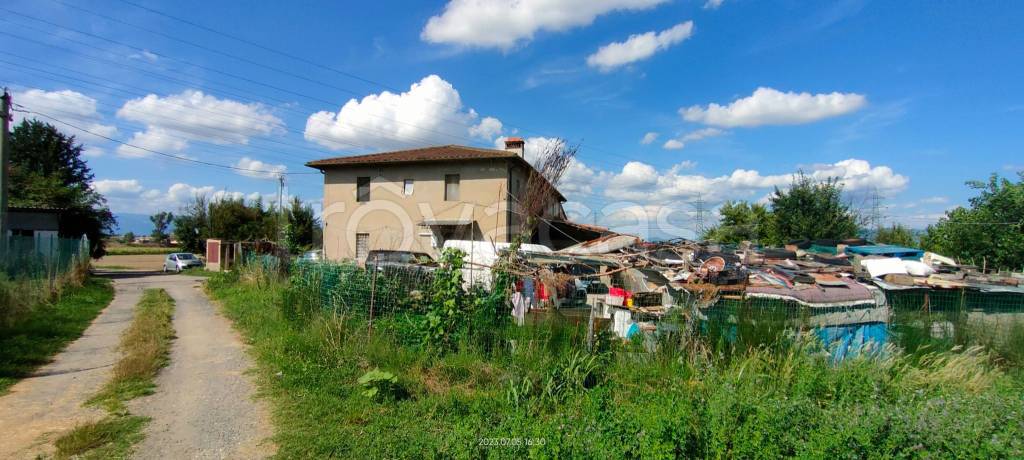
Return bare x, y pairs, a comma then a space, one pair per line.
392, 220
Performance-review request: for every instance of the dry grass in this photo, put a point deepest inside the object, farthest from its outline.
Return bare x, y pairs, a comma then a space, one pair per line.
108, 438
145, 346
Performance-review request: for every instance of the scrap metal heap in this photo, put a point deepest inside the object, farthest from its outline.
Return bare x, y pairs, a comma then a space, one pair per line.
624, 272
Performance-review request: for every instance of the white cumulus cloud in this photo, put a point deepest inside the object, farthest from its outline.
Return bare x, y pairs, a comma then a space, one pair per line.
66, 105
713, 4
131, 196
673, 144
144, 143
117, 187
430, 112
704, 133
193, 115
767, 106
649, 138
642, 183
638, 47
504, 23
488, 128
259, 169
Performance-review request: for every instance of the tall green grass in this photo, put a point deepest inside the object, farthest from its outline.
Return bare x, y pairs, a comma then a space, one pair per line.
532, 391
31, 340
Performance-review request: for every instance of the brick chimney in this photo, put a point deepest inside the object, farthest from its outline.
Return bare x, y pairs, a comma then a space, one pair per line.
516, 144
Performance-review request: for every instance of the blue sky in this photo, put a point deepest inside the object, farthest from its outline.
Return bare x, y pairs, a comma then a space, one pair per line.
906, 99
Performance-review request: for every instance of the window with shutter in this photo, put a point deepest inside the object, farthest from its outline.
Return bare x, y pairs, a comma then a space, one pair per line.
451, 187
362, 189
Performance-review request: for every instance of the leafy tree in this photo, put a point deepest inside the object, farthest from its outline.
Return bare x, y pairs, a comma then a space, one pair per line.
229, 219
47, 170
232, 219
741, 221
128, 238
990, 231
896, 234
301, 226
161, 222
810, 210
192, 225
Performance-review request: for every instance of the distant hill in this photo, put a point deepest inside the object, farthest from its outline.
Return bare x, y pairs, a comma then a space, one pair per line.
138, 224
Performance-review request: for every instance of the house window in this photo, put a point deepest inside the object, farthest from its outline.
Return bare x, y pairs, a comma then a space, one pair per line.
362, 245
451, 187
362, 189
407, 187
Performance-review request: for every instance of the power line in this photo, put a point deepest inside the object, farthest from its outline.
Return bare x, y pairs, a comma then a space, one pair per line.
411, 141
157, 152
227, 74
278, 52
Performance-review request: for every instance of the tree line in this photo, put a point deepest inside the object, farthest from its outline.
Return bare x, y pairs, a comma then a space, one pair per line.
989, 231
236, 219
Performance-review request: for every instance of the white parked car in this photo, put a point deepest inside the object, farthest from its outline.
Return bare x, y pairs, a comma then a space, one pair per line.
180, 261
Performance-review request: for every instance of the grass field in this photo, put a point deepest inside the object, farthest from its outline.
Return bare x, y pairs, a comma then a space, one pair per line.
32, 341
339, 390
122, 250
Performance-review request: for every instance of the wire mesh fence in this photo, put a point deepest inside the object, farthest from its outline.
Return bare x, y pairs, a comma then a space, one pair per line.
41, 256
34, 269
915, 320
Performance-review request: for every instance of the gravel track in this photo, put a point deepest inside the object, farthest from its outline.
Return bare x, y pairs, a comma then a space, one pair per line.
204, 406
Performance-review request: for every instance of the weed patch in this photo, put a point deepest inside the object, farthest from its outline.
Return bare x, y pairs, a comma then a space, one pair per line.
533, 391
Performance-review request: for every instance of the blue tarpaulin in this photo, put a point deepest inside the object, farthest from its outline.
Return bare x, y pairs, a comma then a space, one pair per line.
886, 250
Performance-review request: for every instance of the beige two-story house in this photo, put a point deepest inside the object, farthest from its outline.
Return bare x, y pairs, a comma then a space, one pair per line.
415, 200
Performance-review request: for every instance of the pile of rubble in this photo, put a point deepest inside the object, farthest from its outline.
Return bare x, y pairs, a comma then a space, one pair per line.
622, 272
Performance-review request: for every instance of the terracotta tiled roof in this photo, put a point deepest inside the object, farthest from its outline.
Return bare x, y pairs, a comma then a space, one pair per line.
438, 153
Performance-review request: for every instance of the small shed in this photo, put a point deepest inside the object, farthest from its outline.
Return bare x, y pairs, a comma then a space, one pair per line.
223, 255
220, 255
33, 221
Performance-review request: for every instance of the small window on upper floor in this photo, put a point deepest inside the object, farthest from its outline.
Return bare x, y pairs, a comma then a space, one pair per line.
362, 189
407, 187
451, 187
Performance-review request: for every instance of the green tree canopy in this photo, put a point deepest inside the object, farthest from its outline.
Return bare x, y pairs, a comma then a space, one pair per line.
161, 222
810, 210
301, 227
990, 231
896, 234
741, 221
47, 170
238, 220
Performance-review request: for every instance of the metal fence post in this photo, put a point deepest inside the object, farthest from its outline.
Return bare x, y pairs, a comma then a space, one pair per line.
373, 289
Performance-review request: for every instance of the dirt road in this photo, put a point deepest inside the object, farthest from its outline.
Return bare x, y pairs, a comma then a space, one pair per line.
203, 406
40, 408
145, 262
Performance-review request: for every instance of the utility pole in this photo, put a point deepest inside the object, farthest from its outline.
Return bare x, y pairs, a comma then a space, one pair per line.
280, 211
5, 158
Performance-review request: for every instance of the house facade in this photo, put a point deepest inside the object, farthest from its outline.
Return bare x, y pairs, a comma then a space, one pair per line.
415, 200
